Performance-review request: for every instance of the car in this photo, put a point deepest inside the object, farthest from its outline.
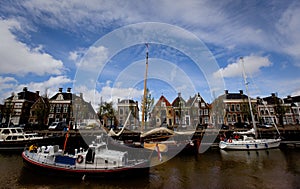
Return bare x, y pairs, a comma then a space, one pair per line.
59, 126
81, 126
242, 125
266, 126
224, 127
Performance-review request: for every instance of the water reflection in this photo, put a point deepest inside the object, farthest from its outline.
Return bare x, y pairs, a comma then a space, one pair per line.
214, 169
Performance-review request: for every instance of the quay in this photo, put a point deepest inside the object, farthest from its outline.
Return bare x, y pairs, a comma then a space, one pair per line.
290, 134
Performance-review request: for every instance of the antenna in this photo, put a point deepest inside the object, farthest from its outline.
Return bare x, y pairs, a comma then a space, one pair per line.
145, 88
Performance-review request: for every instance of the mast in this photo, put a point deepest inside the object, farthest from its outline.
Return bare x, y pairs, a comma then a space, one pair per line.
145, 90
249, 99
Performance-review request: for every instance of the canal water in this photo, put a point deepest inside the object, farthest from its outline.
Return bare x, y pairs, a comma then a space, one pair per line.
275, 168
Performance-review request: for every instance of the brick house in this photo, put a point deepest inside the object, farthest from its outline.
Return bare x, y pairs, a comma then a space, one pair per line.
162, 113
66, 107
17, 107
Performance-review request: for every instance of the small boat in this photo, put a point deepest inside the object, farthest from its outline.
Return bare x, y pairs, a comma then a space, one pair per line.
97, 160
248, 142
14, 138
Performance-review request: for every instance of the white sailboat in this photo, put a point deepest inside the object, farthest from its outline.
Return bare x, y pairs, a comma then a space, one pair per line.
248, 142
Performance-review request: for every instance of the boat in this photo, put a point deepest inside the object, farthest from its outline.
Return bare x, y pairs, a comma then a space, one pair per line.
96, 161
246, 142
14, 138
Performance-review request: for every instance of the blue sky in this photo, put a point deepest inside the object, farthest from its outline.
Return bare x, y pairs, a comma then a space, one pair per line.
49, 44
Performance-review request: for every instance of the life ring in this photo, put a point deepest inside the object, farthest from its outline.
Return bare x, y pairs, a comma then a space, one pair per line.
80, 159
230, 140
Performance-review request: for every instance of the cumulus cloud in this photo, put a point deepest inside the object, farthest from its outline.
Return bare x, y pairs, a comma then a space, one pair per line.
18, 58
252, 65
108, 94
49, 87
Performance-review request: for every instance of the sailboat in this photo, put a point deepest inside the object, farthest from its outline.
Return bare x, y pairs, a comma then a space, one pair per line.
249, 142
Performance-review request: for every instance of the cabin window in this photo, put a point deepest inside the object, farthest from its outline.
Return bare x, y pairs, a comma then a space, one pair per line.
13, 131
6, 131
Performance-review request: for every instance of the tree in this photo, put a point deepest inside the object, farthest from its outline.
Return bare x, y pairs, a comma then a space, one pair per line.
148, 105
107, 110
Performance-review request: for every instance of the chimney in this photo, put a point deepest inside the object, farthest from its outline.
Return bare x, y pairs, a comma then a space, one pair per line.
273, 94
60, 90
69, 89
25, 89
37, 93
241, 92
179, 94
226, 91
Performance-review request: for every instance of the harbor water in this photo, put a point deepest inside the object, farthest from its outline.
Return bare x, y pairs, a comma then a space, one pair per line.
274, 168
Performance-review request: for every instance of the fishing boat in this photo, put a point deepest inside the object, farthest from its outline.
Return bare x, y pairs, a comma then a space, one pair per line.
14, 138
97, 160
246, 142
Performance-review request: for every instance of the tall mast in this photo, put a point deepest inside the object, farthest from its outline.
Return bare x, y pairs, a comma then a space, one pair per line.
249, 99
145, 90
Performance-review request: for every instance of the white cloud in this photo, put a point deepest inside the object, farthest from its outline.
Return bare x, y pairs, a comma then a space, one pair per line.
18, 58
10, 85
252, 65
108, 94
289, 26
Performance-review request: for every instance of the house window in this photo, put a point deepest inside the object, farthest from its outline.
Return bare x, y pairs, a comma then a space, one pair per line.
121, 111
58, 108
205, 111
65, 108
163, 104
52, 108
202, 104
238, 108
232, 108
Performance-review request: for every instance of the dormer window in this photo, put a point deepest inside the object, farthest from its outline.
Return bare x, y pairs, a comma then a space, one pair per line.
60, 97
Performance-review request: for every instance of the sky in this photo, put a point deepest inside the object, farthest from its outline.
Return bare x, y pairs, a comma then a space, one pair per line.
98, 48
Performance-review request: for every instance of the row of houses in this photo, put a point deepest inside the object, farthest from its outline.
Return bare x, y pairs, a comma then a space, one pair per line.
229, 108
30, 107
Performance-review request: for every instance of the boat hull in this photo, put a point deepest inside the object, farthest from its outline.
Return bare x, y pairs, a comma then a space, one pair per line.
71, 171
18, 145
256, 144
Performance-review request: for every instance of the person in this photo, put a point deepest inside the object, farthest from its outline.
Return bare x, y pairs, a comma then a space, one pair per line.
33, 148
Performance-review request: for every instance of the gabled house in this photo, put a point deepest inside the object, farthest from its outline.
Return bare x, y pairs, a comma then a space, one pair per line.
162, 113
199, 110
39, 111
181, 113
61, 107
17, 107
66, 107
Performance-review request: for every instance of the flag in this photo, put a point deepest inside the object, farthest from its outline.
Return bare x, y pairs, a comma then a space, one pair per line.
158, 152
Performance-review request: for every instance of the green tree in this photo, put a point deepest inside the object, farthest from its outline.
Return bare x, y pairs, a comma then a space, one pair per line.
106, 110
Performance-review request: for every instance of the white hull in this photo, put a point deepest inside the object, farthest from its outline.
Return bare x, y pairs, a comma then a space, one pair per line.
254, 144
